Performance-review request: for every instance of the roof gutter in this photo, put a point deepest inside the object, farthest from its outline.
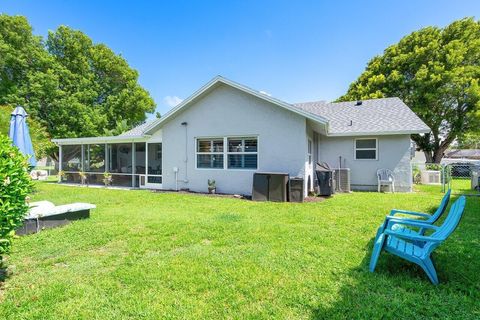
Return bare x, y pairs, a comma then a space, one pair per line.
377, 133
93, 140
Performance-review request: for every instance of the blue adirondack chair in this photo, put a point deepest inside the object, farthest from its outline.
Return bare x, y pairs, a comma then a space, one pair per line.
424, 217
414, 247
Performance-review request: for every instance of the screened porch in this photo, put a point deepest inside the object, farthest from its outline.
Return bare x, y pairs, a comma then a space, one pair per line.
132, 165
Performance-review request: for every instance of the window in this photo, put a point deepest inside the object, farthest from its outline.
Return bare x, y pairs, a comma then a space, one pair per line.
242, 153
366, 149
210, 153
227, 153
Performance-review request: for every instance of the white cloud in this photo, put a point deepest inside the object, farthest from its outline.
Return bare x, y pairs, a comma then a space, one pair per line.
172, 101
265, 93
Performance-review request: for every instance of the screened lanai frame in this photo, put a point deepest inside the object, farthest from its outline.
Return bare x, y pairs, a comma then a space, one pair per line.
128, 162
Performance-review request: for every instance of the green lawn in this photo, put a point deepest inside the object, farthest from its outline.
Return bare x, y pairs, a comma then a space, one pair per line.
145, 255
462, 185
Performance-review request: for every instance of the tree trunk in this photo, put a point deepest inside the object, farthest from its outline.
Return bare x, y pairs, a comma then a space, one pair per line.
432, 146
428, 156
439, 152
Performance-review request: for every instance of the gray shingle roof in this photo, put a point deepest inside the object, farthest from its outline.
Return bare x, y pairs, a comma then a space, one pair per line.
386, 115
463, 153
137, 131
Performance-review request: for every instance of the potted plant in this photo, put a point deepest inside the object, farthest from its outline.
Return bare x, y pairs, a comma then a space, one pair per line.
107, 179
61, 176
83, 177
212, 188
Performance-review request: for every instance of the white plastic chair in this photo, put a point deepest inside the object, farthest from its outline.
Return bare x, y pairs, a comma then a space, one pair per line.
385, 178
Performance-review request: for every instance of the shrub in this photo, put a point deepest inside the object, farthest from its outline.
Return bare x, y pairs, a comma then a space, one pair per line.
434, 166
416, 174
15, 185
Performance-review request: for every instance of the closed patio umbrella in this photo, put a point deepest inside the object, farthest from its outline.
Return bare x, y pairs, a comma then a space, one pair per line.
20, 134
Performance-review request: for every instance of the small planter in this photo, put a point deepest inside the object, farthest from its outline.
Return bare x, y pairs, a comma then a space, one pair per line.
61, 176
107, 179
212, 188
83, 178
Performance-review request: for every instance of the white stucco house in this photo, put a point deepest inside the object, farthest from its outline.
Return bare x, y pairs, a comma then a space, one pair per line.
227, 132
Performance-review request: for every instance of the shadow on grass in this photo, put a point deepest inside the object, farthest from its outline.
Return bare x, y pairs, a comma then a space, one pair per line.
4, 273
399, 289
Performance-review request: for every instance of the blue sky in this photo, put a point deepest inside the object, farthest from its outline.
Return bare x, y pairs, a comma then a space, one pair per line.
295, 50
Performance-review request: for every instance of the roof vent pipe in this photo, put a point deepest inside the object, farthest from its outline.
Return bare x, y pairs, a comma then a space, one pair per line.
358, 103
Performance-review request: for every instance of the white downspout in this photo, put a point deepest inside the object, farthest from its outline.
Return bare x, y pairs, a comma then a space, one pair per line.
185, 124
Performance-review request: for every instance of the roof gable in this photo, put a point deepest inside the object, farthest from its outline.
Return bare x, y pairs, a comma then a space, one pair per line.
154, 125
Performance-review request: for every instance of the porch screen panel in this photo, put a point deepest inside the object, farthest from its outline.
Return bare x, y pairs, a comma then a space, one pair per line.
72, 158
120, 180
95, 179
155, 158
94, 158
140, 158
72, 177
120, 158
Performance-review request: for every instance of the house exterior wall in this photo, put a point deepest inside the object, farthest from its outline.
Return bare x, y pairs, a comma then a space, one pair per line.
309, 163
224, 112
393, 154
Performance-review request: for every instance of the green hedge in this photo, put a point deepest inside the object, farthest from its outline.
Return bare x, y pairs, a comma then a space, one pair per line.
15, 185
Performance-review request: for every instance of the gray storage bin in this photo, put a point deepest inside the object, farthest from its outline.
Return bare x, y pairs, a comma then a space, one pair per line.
297, 193
270, 186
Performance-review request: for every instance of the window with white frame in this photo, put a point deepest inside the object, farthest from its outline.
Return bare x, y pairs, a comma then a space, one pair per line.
366, 149
242, 153
210, 153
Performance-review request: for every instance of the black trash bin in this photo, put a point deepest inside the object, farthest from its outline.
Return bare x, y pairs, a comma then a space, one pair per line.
325, 179
296, 190
270, 186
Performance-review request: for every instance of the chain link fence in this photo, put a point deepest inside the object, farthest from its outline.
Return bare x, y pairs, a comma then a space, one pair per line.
462, 176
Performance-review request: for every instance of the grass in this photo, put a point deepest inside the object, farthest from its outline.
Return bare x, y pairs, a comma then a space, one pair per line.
145, 255
462, 185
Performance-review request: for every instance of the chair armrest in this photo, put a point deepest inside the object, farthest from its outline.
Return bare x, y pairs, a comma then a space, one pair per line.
412, 223
404, 220
412, 237
412, 213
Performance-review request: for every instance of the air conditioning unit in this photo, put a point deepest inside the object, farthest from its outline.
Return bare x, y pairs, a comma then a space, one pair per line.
342, 179
431, 177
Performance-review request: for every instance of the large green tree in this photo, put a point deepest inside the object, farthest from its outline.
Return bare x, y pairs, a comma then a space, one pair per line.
436, 71
68, 84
